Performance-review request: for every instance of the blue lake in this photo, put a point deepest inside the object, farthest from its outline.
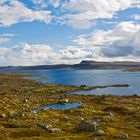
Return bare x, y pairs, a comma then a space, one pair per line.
91, 78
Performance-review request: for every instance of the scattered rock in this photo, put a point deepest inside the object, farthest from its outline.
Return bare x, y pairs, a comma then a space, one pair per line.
7, 105
12, 120
11, 114
94, 138
23, 115
42, 109
87, 126
15, 104
111, 114
34, 111
65, 118
55, 130
81, 118
45, 126
2, 116
68, 124
100, 133
63, 101
26, 100
107, 119
121, 136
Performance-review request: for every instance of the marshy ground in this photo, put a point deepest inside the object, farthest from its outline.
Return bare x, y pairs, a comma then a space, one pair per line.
115, 115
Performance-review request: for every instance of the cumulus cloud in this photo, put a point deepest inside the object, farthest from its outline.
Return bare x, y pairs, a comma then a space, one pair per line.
5, 37
136, 17
40, 3
44, 3
79, 14
121, 42
13, 11
82, 13
73, 53
26, 54
40, 54
3, 40
136, 3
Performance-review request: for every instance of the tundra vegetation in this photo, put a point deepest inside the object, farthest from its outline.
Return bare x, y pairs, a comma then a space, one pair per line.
103, 117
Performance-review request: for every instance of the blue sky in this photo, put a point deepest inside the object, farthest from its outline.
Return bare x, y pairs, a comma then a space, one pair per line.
68, 31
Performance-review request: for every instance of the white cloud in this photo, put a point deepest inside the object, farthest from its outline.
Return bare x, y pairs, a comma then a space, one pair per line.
83, 13
44, 3
26, 54
136, 3
119, 43
40, 54
74, 53
79, 14
5, 37
40, 3
136, 17
13, 11
3, 40
55, 3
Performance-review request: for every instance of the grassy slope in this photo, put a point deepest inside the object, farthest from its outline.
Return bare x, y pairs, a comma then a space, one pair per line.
22, 95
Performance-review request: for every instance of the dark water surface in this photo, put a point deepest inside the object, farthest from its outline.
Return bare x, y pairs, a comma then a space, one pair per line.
91, 78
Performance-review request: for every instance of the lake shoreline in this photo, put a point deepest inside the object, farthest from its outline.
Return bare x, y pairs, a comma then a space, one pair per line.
127, 83
118, 114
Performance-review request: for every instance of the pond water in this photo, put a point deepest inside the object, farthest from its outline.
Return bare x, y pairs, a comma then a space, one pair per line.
91, 78
57, 107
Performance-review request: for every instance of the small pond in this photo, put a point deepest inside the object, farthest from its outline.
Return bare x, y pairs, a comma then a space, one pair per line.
57, 107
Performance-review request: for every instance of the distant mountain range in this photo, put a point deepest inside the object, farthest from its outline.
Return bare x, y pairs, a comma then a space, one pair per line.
95, 65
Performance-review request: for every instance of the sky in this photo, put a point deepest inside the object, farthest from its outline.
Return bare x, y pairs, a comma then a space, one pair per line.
39, 32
